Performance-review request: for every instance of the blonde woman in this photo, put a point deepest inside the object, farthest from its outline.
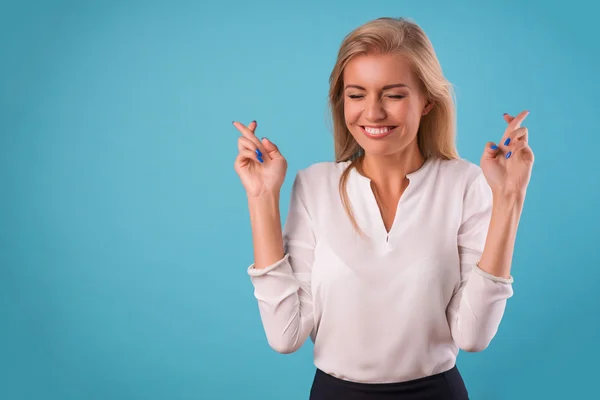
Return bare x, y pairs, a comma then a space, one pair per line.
398, 254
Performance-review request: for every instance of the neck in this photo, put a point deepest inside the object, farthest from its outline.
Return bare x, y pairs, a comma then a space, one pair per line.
388, 172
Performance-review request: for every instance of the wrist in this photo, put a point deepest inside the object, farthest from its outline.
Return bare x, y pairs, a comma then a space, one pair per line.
508, 198
508, 207
264, 197
264, 204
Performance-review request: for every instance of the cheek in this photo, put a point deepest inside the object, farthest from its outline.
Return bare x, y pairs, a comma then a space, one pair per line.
352, 111
400, 109
405, 113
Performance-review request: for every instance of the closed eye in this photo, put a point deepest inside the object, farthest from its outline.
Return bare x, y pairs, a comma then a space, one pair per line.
357, 96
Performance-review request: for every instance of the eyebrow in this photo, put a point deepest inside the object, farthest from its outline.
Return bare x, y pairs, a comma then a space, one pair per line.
384, 88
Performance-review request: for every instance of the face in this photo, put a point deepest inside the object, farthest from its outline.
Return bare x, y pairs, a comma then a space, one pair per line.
383, 103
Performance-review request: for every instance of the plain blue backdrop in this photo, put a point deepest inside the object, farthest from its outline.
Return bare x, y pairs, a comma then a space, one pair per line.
125, 236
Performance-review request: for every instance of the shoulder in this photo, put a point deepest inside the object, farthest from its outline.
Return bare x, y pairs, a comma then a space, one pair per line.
325, 168
318, 183
463, 173
470, 185
321, 173
461, 167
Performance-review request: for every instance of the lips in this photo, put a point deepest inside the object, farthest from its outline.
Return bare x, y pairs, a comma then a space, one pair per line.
378, 133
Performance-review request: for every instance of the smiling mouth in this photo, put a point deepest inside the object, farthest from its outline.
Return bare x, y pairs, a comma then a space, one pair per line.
377, 132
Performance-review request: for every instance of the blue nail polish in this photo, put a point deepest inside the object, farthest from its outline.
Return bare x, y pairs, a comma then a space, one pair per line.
258, 153
509, 154
494, 147
507, 142
260, 159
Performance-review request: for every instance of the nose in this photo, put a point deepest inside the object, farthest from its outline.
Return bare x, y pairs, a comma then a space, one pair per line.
373, 110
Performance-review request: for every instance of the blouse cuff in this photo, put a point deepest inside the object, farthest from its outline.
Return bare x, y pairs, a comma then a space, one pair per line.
492, 277
262, 271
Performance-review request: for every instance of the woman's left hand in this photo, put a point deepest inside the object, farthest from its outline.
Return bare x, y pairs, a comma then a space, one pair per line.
507, 166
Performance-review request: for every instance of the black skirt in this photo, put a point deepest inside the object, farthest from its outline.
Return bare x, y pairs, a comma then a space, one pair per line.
447, 385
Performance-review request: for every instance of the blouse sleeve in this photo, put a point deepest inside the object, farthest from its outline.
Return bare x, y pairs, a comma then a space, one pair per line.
283, 289
477, 305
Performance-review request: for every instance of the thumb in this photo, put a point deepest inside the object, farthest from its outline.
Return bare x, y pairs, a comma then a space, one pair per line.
491, 150
271, 148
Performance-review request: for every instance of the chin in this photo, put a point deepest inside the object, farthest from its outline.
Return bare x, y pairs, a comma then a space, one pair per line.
381, 150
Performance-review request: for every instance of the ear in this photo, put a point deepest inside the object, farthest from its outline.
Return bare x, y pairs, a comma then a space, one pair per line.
428, 106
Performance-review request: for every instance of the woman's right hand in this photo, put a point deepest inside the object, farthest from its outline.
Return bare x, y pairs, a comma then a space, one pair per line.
262, 171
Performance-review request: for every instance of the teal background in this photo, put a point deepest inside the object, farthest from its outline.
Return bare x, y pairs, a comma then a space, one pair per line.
125, 236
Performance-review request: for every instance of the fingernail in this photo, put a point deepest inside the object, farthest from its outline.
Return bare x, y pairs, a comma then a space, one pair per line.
504, 114
253, 121
509, 154
494, 147
258, 153
260, 159
507, 142
264, 138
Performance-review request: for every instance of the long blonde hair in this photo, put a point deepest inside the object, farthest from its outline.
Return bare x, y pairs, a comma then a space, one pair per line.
436, 134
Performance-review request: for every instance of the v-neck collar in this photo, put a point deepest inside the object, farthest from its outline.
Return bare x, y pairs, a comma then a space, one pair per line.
377, 230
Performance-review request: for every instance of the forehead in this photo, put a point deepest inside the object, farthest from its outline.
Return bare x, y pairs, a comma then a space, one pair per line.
376, 70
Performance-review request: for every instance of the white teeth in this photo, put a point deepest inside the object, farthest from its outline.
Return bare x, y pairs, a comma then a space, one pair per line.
377, 131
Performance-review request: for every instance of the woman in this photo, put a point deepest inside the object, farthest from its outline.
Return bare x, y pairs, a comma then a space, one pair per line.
398, 253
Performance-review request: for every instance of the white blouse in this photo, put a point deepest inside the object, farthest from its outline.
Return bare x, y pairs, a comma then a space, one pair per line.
392, 307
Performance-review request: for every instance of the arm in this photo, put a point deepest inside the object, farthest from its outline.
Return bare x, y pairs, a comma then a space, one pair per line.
500, 241
476, 312
477, 306
267, 238
282, 270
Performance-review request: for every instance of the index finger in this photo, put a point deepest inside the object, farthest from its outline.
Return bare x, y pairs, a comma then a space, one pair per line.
516, 122
249, 133
246, 131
